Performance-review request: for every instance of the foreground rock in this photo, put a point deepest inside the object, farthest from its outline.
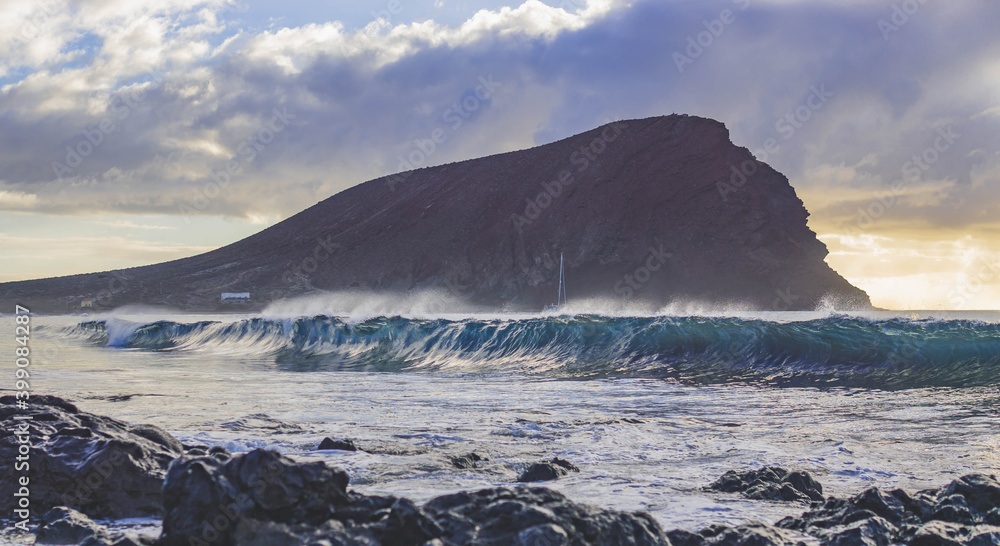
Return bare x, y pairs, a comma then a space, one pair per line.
265, 498
751, 534
67, 526
100, 466
966, 511
770, 483
536, 515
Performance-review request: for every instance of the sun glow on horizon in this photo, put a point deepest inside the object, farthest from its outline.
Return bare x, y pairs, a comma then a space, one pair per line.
910, 274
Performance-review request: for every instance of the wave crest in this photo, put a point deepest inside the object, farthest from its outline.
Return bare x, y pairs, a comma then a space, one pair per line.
831, 351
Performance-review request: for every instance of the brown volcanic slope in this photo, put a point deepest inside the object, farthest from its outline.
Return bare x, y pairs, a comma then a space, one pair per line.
638, 191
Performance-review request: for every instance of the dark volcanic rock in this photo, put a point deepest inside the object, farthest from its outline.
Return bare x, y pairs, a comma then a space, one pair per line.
97, 465
547, 471
265, 498
521, 515
895, 507
770, 483
206, 499
339, 445
961, 513
751, 534
467, 461
63, 525
943, 533
659, 191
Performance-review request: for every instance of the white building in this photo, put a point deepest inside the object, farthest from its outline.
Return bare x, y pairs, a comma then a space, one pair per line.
235, 296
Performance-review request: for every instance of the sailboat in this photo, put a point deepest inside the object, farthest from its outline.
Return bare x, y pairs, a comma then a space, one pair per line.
561, 296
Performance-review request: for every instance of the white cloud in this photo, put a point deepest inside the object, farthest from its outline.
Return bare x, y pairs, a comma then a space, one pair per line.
12, 200
128, 224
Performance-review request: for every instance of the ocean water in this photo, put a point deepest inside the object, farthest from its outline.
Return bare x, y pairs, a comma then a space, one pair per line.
651, 408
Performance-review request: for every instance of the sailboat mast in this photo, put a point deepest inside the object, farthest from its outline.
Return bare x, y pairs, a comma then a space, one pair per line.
562, 282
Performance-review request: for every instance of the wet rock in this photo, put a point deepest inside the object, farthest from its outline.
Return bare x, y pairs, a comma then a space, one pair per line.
940, 533
874, 531
992, 517
547, 534
467, 461
217, 452
983, 535
895, 507
63, 525
944, 533
206, 498
981, 494
547, 471
269, 533
770, 483
263, 497
100, 466
751, 534
961, 513
514, 515
955, 509
339, 445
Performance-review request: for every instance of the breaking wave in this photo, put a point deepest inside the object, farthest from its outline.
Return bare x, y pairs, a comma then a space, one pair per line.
835, 351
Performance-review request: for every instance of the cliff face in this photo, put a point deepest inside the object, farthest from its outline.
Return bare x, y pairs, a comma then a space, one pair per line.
660, 209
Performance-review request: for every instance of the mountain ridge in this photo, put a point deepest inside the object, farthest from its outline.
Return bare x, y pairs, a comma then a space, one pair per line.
650, 209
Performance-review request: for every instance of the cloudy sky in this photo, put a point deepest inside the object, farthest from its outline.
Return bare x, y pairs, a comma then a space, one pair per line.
120, 118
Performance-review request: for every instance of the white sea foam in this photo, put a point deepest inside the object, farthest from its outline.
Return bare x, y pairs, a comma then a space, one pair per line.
357, 306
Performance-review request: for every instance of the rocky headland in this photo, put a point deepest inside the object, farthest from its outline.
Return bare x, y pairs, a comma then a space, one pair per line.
660, 210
